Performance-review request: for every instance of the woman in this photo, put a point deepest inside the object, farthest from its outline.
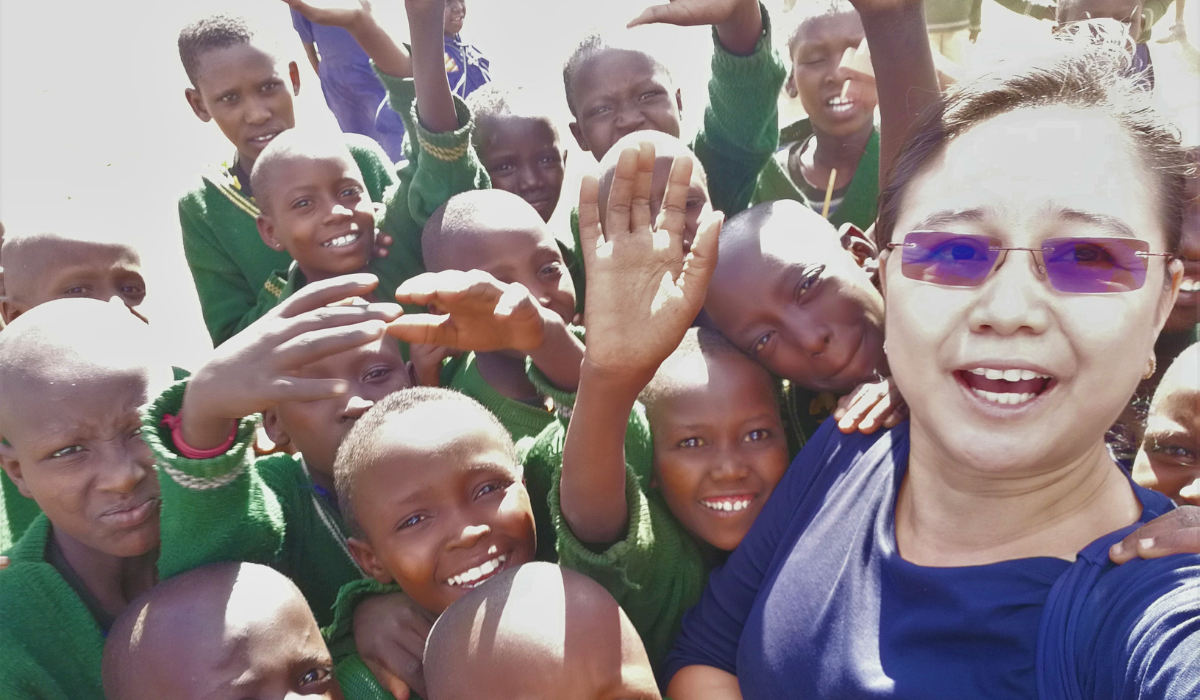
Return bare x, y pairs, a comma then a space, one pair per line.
1032, 224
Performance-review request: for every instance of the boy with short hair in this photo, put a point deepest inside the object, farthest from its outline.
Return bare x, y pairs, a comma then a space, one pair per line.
1169, 458
175, 641
554, 633
518, 144
239, 81
837, 144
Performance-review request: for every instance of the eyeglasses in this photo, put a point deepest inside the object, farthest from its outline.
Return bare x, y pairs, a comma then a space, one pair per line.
1075, 265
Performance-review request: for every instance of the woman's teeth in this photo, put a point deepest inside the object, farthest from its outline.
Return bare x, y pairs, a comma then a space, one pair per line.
1005, 398
727, 505
472, 577
341, 241
1008, 375
1007, 387
1190, 285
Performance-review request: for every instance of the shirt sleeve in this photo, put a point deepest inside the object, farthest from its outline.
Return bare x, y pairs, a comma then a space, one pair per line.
741, 122
303, 27
1141, 637
712, 630
1031, 8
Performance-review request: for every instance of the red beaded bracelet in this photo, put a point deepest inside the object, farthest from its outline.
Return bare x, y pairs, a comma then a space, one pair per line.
175, 423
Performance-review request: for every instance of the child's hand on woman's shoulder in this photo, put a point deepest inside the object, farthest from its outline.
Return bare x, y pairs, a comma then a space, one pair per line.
871, 406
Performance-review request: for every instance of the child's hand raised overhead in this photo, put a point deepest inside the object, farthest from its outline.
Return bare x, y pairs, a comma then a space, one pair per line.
642, 291
738, 22
264, 364
333, 13
470, 310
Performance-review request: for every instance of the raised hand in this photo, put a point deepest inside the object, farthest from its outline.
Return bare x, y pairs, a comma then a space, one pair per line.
333, 13
871, 406
642, 291
264, 364
470, 310
738, 22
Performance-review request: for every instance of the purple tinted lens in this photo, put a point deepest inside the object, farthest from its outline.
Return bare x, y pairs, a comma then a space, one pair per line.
950, 259
1095, 265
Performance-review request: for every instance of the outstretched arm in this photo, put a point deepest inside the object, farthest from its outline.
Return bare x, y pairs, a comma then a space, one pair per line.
642, 296
738, 22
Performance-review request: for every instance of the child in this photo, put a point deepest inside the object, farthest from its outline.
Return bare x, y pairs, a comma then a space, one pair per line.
430, 486
553, 633
215, 631
64, 264
838, 139
951, 24
1130, 13
73, 375
280, 510
613, 90
440, 160
497, 233
519, 146
352, 91
238, 81
1169, 459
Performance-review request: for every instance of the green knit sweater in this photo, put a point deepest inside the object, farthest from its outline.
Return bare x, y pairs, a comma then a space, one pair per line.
739, 134
522, 420
50, 645
859, 204
230, 264
236, 508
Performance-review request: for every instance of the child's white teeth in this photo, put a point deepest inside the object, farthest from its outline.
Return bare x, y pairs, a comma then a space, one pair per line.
470, 576
341, 241
727, 506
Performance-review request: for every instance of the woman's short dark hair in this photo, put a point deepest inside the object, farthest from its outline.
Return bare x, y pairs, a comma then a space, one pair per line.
1077, 74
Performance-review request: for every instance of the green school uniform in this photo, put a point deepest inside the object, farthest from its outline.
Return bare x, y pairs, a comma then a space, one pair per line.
858, 206
522, 420
738, 136
50, 643
230, 264
234, 507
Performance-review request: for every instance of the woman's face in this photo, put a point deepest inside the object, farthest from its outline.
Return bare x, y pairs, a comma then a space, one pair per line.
1024, 177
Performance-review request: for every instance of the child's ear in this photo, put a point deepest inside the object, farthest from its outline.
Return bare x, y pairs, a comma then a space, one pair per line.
266, 230
196, 102
294, 74
274, 428
364, 555
790, 86
679, 99
579, 138
12, 467
858, 244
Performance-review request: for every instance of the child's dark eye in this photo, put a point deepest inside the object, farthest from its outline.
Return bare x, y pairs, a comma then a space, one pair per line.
602, 109
1174, 451
316, 675
491, 487
230, 98
377, 373
411, 521
549, 160
757, 435
552, 269
352, 192
504, 169
66, 451
809, 281
76, 290
760, 343
267, 87
650, 95
691, 442
301, 203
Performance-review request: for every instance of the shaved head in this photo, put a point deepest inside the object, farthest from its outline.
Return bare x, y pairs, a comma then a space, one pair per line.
537, 631
217, 629
291, 146
666, 148
471, 218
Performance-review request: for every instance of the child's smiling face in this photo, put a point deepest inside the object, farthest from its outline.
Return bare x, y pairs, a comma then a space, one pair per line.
441, 510
318, 210
719, 445
617, 92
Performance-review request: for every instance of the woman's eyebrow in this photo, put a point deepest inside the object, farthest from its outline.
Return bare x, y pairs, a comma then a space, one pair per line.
938, 219
1112, 224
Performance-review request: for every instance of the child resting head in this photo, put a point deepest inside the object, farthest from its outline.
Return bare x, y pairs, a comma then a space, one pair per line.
518, 144
719, 443
74, 374
68, 262
230, 630
537, 632
1169, 460
314, 204
240, 81
821, 33
666, 149
798, 298
430, 487
615, 88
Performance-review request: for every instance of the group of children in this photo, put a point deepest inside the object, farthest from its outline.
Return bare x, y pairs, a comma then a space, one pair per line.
411, 339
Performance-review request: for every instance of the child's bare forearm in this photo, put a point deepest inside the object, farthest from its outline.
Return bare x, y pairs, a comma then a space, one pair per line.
310, 49
904, 74
560, 354
435, 103
202, 425
592, 487
740, 33
389, 55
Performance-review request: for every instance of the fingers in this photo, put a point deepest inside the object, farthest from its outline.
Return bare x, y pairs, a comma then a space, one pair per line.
390, 682
514, 301
451, 288
325, 292
620, 194
639, 204
289, 389
655, 14
590, 235
1190, 494
427, 329
701, 260
672, 217
318, 344
1176, 532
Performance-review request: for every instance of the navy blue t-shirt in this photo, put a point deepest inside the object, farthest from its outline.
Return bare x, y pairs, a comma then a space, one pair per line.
816, 603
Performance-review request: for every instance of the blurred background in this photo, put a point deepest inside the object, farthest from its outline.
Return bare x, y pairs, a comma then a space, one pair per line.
94, 129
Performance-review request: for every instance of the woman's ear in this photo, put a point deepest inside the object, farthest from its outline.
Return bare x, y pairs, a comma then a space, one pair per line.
1170, 293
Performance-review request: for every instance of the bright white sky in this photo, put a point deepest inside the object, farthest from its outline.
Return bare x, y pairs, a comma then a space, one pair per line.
94, 129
